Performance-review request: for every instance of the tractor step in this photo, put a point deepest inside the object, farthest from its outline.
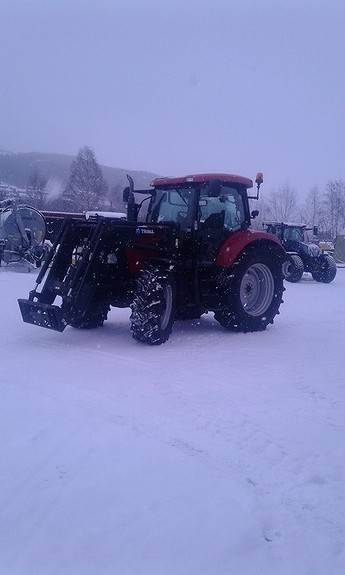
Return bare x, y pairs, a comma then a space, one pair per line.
42, 314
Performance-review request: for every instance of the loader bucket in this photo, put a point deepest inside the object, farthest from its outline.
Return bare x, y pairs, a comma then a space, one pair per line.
42, 314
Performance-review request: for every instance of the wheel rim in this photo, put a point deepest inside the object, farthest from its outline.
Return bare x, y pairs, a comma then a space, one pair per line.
286, 268
168, 306
257, 289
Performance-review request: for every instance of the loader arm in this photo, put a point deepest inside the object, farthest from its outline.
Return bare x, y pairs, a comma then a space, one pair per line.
80, 270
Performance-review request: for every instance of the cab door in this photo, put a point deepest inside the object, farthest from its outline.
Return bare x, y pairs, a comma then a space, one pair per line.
222, 211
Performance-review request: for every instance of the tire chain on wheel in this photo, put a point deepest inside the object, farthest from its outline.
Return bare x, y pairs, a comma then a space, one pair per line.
327, 272
297, 269
148, 307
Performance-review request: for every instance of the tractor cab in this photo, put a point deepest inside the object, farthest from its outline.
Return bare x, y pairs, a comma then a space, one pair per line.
204, 209
200, 211
191, 200
200, 205
290, 233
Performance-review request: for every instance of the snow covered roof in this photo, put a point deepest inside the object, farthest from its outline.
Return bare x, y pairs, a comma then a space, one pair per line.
115, 215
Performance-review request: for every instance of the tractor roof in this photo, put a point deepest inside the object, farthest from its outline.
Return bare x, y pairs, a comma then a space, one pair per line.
202, 178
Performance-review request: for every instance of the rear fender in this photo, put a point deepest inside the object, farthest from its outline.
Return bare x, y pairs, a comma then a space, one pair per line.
233, 246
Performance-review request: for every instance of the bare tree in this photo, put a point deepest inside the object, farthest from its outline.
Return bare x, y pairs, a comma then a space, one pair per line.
86, 187
334, 206
282, 205
313, 209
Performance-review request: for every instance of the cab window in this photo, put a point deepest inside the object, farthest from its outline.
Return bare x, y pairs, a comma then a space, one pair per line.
172, 205
293, 234
227, 208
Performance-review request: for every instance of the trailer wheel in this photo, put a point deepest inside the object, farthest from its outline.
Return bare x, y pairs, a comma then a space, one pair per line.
293, 269
153, 306
251, 291
93, 318
327, 271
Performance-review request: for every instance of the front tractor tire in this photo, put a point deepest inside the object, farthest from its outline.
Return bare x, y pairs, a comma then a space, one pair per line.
251, 291
293, 269
327, 270
153, 306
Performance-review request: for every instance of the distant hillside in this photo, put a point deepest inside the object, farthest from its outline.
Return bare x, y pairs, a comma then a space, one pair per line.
15, 169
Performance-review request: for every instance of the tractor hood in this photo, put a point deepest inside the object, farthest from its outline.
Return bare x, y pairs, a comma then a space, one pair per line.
311, 249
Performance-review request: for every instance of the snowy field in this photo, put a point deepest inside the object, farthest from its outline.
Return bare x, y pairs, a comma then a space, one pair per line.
217, 453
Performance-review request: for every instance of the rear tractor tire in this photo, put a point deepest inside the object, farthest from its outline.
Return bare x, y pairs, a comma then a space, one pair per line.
293, 269
251, 291
327, 271
153, 306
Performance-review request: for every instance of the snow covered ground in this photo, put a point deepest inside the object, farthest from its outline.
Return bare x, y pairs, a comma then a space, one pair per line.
217, 453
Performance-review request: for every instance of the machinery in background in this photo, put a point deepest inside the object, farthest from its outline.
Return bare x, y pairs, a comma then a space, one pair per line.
22, 234
303, 256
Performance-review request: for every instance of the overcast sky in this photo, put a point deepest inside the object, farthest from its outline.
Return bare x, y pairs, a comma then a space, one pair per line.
179, 86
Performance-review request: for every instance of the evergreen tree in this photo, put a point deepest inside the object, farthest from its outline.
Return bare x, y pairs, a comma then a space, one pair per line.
86, 187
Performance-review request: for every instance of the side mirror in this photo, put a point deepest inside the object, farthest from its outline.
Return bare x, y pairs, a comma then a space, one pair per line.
315, 231
254, 214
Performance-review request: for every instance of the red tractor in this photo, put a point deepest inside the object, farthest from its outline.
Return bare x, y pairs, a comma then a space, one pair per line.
190, 253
